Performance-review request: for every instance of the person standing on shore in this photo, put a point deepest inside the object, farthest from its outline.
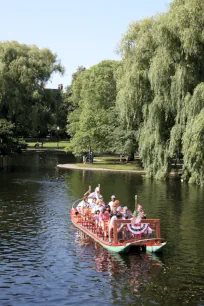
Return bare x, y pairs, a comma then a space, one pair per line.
91, 156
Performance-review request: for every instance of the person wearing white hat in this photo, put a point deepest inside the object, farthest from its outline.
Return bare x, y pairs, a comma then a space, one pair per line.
96, 194
113, 198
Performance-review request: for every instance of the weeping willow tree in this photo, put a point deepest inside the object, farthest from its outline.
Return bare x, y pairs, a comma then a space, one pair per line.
137, 48
160, 88
193, 138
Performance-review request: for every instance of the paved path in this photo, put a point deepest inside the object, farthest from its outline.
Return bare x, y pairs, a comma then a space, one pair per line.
73, 166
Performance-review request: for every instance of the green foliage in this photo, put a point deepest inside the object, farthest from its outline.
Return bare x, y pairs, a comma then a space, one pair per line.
8, 144
153, 101
94, 95
193, 144
133, 84
160, 88
6, 129
24, 72
77, 73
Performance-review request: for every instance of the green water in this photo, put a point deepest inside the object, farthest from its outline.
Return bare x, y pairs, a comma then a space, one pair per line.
44, 260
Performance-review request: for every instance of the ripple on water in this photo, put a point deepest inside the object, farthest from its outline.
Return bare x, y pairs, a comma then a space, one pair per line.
46, 261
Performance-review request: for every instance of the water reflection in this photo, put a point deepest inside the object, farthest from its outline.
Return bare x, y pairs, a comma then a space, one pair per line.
115, 263
44, 260
135, 271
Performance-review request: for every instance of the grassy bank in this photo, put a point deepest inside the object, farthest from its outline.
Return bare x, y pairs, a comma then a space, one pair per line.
112, 162
49, 145
105, 162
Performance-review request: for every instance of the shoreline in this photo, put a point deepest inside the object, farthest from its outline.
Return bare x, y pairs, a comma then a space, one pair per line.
74, 167
44, 149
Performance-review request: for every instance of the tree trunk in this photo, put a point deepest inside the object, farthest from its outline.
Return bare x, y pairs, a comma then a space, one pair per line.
2, 163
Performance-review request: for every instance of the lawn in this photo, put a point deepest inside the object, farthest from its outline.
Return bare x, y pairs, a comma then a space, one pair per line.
105, 162
49, 145
112, 162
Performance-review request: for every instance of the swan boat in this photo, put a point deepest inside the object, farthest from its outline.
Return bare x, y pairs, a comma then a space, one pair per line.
131, 235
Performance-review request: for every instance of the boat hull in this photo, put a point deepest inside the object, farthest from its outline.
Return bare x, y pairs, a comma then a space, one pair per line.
122, 248
155, 248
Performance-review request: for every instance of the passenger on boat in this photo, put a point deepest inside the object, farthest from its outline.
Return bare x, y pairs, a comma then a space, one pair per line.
92, 202
111, 225
98, 206
116, 206
102, 201
113, 198
96, 216
83, 204
113, 211
118, 209
126, 213
107, 207
103, 216
122, 228
139, 213
95, 194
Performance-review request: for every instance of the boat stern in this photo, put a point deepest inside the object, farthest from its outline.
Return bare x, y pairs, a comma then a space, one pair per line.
155, 247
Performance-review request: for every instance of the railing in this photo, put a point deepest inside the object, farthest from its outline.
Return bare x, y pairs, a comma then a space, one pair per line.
86, 219
76, 202
154, 224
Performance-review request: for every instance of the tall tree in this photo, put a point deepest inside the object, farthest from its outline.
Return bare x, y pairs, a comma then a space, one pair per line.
77, 73
134, 90
94, 95
24, 72
160, 87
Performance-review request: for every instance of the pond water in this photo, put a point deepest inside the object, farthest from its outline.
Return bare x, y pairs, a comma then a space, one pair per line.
44, 260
